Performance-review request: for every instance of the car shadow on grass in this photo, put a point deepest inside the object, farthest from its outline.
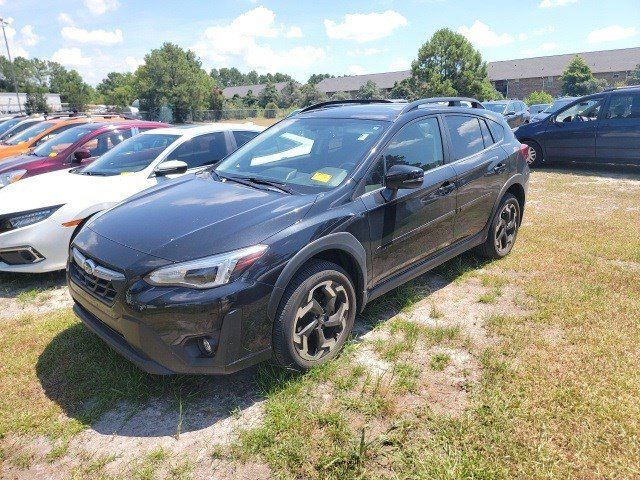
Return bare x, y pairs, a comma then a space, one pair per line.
105, 392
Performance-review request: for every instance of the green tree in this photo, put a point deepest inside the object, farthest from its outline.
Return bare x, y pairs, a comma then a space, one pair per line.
174, 77
318, 77
290, 94
634, 78
269, 94
340, 96
36, 101
250, 99
118, 89
403, 90
72, 89
535, 98
227, 77
369, 91
309, 94
270, 110
449, 65
578, 80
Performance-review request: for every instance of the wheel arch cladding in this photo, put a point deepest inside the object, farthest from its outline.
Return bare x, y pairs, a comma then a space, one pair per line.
340, 248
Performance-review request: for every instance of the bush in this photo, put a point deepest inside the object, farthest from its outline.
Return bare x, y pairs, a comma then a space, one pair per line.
271, 110
536, 98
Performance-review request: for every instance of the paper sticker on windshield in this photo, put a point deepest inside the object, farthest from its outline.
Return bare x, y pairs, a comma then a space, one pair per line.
363, 137
53, 154
321, 177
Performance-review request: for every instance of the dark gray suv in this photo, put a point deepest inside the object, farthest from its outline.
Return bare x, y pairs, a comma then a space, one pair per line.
271, 253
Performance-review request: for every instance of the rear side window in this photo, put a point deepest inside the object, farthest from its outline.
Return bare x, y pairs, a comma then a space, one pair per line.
243, 136
466, 136
486, 135
497, 131
624, 106
202, 150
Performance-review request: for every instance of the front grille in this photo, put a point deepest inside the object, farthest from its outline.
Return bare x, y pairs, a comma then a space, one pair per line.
97, 280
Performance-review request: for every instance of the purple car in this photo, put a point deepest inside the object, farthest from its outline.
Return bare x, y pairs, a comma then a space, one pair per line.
77, 146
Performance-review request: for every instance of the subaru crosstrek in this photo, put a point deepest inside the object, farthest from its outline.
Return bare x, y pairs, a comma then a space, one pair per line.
271, 253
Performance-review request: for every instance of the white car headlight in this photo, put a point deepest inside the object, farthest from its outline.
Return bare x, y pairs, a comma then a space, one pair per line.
24, 219
13, 176
207, 272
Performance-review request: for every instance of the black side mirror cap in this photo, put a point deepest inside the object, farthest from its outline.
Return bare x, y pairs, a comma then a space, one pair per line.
403, 177
80, 155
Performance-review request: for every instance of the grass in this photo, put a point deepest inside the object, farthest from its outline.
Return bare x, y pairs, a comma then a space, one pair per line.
558, 397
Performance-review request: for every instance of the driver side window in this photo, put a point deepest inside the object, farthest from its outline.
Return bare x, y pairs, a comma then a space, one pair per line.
585, 111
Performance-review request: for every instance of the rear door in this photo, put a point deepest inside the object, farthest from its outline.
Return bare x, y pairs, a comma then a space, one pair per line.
481, 170
418, 222
618, 138
571, 134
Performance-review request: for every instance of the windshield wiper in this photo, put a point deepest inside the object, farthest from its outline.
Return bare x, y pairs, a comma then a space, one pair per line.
254, 182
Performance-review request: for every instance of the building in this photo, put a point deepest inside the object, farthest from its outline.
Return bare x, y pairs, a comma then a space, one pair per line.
518, 78
9, 102
513, 78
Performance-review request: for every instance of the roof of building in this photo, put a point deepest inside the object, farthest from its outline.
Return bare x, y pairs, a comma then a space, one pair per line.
354, 82
243, 90
620, 60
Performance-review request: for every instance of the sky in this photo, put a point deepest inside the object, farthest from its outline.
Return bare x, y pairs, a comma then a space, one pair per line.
303, 37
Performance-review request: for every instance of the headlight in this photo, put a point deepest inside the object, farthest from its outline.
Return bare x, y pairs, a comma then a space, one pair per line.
13, 176
207, 272
23, 219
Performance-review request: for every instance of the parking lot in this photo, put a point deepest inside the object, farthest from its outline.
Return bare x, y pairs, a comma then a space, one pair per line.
520, 368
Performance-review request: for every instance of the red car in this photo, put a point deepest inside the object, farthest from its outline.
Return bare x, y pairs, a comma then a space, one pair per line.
76, 146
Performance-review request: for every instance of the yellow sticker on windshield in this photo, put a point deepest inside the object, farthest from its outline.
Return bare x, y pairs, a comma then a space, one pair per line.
53, 154
321, 177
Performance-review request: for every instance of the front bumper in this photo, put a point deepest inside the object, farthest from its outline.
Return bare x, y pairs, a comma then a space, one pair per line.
158, 329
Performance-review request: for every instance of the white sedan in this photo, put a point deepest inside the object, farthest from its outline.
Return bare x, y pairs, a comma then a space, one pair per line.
39, 215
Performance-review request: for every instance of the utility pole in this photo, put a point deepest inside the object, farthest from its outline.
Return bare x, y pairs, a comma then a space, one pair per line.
3, 24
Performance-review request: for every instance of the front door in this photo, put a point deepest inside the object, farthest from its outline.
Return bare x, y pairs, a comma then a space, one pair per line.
618, 139
418, 222
571, 134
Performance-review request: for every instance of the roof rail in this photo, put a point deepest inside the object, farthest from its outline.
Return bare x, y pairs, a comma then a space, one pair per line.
624, 87
336, 103
450, 101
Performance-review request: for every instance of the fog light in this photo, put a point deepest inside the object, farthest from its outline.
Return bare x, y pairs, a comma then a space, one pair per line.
206, 346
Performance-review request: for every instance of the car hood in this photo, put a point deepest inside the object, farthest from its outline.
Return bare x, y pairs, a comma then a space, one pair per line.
197, 216
19, 162
63, 187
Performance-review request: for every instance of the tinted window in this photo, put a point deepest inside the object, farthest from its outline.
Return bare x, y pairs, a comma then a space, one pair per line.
486, 135
418, 144
19, 127
243, 136
202, 150
624, 106
497, 131
466, 136
9, 124
62, 141
28, 133
100, 144
54, 134
584, 111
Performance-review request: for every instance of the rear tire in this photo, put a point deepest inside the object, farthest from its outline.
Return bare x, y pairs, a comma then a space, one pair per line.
315, 316
503, 230
535, 156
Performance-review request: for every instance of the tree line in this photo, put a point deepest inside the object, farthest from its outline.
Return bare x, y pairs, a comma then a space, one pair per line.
172, 77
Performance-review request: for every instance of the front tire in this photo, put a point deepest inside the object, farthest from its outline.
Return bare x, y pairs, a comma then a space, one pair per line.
503, 230
315, 317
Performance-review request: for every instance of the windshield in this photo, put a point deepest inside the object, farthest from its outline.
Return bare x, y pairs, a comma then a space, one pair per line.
9, 124
132, 155
58, 143
29, 133
557, 105
313, 153
495, 107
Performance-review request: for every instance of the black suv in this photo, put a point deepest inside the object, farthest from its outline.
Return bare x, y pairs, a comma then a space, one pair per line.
271, 253
597, 129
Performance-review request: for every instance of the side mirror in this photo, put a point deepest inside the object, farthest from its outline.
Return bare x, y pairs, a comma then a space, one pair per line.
170, 167
81, 154
403, 177
508, 114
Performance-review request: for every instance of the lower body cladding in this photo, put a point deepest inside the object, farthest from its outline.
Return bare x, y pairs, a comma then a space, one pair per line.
167, 330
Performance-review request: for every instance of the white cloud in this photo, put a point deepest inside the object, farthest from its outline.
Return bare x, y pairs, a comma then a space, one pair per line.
17, 43
356, 70
482, 36
238, 42
364, 27
366, 52
65, 18
28, 36
545, 47
99, 7
400, 64
133, 63
537, 32
294, 32
612, 33
71, 57
99, 37
555, 3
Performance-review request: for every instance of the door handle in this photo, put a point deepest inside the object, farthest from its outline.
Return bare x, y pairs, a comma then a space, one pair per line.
499, 168
446, 188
